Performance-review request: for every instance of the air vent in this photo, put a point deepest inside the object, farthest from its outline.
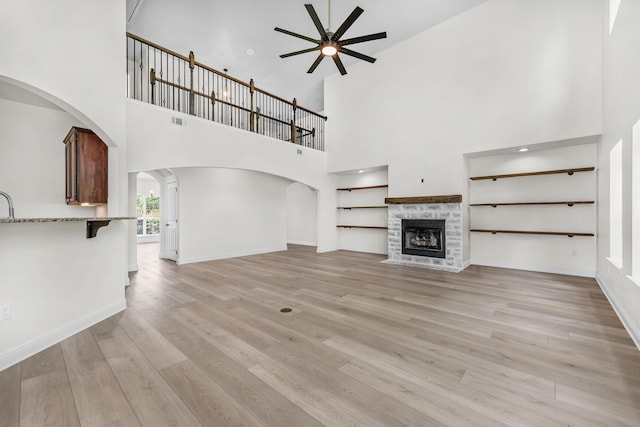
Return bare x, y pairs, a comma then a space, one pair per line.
178, 121
299, 151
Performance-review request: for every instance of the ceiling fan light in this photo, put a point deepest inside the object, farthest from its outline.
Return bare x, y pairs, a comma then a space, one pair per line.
329, 50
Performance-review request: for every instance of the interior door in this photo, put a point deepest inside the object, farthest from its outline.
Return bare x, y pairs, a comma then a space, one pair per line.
172, 221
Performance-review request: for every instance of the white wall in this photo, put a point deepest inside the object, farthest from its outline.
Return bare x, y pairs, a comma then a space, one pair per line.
555, 254
155, 143
621, 113
504, 73
72, 53
226, 212
301, 215
54, 279
362, 239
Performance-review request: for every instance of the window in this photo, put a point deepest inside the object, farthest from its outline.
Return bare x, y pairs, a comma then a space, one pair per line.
148, 215
615, 205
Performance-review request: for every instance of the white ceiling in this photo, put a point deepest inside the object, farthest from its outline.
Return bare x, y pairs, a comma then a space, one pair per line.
220, 32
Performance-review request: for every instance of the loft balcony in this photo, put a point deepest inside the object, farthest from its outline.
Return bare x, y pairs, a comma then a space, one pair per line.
161, 77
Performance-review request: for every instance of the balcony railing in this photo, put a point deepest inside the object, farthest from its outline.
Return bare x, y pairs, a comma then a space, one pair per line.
162, 77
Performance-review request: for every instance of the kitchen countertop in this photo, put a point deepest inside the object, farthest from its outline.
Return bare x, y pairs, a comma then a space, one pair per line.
27, 220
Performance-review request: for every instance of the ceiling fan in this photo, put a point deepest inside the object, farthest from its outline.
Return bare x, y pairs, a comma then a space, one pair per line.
330, 43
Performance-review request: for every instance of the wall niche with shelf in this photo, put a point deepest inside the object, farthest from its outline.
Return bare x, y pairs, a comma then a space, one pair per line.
535, 210
361, 214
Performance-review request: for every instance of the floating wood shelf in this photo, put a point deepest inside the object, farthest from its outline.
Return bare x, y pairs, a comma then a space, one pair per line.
363, 207
362, 226
363, 188
454, 198
547, 233
551, 172
568, 203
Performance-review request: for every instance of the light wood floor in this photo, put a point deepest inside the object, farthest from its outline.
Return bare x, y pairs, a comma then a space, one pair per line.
366, 344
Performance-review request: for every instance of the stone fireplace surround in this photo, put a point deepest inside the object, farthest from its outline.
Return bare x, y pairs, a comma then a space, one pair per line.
428, 207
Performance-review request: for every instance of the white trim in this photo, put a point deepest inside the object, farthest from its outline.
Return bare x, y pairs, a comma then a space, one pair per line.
323, 249
298, 242
616, 263
541, 269
133, 267
466, 264
634, 280
633, 333
191, 260
147, 238
32, 347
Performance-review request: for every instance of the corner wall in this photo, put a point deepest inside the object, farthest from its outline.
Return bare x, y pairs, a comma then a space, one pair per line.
57, 282
621, 114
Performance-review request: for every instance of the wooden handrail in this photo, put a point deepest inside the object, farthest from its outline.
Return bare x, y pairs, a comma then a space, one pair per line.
157, 46
548, 233
568, 203
190, 59
363, 188
515, 175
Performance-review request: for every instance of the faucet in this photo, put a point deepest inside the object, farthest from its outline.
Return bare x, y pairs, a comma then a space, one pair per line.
10, 202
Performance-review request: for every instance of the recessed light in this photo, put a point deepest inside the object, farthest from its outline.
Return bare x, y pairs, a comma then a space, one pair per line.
250, 52
360, 171
523, 149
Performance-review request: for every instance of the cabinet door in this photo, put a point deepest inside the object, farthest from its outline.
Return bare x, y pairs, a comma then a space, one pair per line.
71, 194
86, 161
91, 169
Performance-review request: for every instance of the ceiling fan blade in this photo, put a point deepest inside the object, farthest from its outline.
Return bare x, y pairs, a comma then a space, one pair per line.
316, 21
339, 64
316, 63
300, 36
357, 55
361, 39
347, 23
311, 49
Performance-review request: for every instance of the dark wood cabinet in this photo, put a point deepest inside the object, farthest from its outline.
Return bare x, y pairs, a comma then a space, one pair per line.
86, 160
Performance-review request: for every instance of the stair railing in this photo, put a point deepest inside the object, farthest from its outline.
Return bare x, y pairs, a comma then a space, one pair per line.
163, 77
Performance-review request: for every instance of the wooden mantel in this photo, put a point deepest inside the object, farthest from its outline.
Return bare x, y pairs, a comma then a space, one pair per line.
454, 198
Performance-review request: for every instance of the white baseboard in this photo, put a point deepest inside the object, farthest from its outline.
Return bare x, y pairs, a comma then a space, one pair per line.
206, 258
466, 264
323, 249
634, 333
30, 348
541, 269
299, 242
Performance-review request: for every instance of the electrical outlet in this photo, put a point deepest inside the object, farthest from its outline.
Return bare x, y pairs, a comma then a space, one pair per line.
5, 312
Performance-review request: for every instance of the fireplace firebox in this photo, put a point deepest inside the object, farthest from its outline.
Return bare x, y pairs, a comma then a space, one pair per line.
424, 237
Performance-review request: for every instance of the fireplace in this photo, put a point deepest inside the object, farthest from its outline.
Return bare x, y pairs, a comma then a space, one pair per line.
424, 237
434, 223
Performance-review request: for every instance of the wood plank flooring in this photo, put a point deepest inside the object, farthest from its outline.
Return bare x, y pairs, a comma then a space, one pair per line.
366, 344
